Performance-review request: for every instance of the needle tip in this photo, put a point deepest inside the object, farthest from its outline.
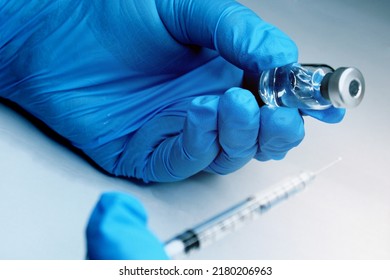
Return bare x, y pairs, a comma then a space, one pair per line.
329, 165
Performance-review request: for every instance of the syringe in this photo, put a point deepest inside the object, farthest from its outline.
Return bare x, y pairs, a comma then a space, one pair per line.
235, 217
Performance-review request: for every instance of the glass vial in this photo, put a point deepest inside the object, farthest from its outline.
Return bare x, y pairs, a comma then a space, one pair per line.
315, 87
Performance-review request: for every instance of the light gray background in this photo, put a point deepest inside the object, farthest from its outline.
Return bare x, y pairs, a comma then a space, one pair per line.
47, 192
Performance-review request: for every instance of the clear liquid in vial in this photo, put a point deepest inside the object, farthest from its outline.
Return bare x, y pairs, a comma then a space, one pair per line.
293, 86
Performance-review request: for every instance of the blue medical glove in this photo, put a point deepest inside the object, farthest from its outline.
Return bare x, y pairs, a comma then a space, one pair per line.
117, 230
149, 89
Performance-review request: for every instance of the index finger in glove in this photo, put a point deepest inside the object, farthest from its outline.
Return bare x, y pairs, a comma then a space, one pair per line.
236, 32
281, 129
238, 129
172, 148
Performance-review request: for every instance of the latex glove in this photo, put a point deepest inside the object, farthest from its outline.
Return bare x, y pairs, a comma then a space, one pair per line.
117, 230
148, 89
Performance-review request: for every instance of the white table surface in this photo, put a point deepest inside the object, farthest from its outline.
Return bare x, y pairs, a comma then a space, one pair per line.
47, 192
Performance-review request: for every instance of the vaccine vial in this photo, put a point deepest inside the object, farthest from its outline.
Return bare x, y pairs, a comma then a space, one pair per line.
315, 87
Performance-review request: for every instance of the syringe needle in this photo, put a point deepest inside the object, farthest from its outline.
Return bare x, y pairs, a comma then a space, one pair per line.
229, 220
328, 166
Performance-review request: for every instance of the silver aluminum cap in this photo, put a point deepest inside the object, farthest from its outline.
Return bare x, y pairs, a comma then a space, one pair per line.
346, 87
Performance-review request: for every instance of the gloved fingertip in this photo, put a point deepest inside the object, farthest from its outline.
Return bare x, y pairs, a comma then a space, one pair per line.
331, 115
240, 101
281, 130
200, 129
113, 208
187, 150
117, 229
265, 156
286, 122
238, 122
238, 128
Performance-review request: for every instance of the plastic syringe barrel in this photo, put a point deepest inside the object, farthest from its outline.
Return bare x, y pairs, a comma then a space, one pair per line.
235, 217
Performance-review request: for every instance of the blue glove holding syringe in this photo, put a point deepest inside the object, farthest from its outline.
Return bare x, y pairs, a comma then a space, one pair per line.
117, 228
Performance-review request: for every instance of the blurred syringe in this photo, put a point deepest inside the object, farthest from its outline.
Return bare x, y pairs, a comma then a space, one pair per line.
235, 217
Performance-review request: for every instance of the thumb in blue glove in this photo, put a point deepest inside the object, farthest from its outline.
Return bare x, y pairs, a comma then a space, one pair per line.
117, 230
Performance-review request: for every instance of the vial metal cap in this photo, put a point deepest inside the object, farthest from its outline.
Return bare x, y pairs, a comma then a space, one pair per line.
346, 87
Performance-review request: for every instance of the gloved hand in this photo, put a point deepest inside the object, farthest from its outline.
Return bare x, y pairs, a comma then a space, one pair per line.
149, 89
117, 230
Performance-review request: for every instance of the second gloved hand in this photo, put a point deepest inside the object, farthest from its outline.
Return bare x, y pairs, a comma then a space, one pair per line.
149, 89
117, 230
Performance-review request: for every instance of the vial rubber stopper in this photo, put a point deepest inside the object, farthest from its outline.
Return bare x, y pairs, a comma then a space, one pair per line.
344, 87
